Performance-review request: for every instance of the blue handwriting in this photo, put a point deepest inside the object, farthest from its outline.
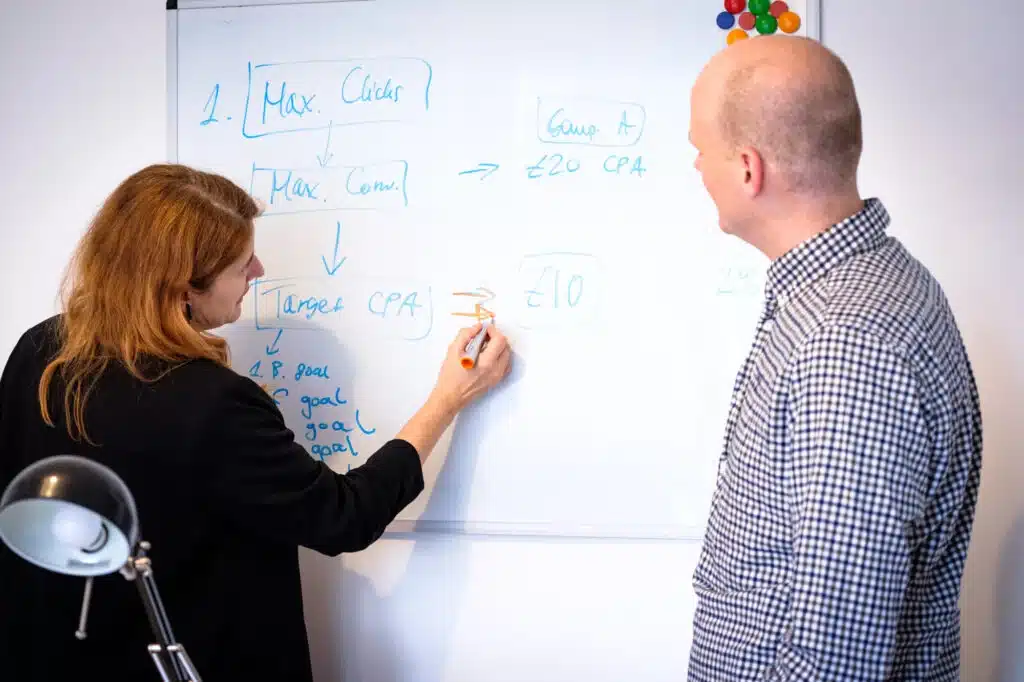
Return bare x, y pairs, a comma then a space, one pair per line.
615, 164
554, 164
360, 181
590, 121
565, 127
310, 402
211, 104
291, 186
367, 92
287, 103
405, 305
308, 307
275, 367
273, 107
408, 301
313, 429
571, 294
302, 370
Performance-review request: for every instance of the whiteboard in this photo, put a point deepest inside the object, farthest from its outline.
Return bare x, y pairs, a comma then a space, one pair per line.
425, 163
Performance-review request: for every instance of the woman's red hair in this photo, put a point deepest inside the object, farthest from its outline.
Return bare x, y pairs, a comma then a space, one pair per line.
165, 230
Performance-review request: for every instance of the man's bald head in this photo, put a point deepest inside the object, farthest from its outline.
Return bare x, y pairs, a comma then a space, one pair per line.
793, 101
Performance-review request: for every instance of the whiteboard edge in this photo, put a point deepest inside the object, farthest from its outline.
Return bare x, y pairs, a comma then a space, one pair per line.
406, 528
814, 20
220, 4
172, 85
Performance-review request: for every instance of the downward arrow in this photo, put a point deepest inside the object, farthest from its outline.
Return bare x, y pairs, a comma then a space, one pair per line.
272, 349
333, 266
327, 155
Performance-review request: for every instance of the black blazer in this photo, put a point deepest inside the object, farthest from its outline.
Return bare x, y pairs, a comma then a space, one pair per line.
225, 495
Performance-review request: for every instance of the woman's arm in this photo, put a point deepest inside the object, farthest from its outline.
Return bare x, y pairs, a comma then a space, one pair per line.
457, 387
264, 482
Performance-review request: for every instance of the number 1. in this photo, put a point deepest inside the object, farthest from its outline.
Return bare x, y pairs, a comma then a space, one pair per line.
211, 104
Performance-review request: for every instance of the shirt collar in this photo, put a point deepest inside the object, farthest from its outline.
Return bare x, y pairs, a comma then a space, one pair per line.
862, 232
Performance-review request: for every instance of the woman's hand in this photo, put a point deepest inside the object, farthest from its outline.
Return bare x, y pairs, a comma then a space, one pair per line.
456, 386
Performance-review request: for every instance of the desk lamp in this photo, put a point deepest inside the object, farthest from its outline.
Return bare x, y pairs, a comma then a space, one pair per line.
74, 516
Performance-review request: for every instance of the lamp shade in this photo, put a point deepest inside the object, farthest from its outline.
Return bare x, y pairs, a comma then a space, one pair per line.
70, 515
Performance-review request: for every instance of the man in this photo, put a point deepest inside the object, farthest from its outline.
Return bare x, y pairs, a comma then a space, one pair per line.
847, 485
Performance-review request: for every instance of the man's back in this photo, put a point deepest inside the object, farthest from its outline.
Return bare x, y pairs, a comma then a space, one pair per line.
848, 483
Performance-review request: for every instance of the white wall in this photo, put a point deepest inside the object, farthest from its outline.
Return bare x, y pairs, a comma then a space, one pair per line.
944, 149
84, 104
83, 91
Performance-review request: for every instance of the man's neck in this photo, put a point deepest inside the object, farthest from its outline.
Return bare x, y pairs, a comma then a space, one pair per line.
804, 220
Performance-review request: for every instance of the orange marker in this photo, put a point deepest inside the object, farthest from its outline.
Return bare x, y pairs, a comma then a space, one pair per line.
472, 351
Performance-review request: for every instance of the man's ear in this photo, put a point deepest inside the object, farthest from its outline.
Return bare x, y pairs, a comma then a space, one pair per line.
752, 170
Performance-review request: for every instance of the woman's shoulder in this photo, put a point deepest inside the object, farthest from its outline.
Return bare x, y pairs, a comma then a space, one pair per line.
39, 342
204, 384
215, 380
220, 391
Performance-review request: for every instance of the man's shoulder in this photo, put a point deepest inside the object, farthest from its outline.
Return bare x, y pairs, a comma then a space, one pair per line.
886, 301
890, 295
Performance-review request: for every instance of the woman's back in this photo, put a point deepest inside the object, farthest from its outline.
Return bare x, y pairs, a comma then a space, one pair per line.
224, 495
129, 375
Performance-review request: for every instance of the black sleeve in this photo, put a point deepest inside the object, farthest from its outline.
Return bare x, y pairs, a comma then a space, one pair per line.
265, 482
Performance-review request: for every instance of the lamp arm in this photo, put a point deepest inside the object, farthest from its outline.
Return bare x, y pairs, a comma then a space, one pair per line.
169, 657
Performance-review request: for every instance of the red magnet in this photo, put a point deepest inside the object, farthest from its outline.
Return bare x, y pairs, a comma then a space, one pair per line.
778, 8
747, 21
735, 6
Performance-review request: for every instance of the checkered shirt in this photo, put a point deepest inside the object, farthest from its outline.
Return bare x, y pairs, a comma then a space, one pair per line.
847, 484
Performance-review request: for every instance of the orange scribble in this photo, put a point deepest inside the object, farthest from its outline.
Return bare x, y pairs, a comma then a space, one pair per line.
480, 313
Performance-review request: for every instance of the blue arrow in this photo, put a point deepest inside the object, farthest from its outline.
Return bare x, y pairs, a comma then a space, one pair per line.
484, 168
327, 156
272, 349
335, 263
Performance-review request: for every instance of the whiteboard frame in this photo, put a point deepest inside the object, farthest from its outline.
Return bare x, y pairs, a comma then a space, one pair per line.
404, 528
210, 4
407, 528
812, 22
812, 18
172, 86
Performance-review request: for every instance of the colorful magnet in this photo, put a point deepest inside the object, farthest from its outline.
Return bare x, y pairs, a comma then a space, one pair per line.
789, 22
759, 7
735, 6
736, 34
766, 24
747, 21
725, 20
777, 8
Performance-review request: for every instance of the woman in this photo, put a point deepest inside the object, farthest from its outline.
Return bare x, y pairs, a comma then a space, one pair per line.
128, 375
